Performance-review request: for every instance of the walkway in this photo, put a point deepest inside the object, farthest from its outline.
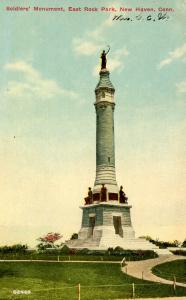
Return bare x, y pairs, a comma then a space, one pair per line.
142, 269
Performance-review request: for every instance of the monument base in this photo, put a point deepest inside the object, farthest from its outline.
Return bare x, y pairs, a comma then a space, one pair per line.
102, 244
108, 225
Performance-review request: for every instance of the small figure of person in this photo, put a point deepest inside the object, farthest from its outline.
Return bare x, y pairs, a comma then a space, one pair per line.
104, 59
103, 193
88, 199
122, 196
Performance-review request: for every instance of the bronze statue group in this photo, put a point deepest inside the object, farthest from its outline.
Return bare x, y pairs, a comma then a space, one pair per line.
103, 195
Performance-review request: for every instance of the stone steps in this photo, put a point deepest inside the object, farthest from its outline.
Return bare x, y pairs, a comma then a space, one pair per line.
88, 243
108, 241
129, 244
163, 252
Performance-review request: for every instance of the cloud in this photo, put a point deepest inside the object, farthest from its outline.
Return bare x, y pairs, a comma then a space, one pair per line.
99, 31
174, 55
181, 87
29, 82
22, 67
85, 47
92, 40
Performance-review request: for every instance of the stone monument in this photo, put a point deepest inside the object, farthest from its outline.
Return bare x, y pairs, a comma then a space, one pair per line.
106, 219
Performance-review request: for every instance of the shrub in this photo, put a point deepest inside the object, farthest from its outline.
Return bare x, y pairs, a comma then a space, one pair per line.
184, 243
82, 251
179, 252
18, 248
65, 250
74, 236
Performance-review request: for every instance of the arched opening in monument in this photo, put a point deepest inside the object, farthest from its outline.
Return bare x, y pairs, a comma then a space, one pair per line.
91, 225
117, 225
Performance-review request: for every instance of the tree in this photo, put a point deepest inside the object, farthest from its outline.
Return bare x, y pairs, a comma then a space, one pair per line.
184, 243
176, 243
17, 248
48, 240
74, 236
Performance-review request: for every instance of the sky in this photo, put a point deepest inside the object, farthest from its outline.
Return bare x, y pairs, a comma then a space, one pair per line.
49, 68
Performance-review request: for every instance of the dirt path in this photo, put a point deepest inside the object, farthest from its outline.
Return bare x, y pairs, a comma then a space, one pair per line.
142, 269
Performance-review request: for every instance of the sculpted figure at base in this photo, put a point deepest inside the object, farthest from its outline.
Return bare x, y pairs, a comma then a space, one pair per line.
88, 199
103, 193
122, 196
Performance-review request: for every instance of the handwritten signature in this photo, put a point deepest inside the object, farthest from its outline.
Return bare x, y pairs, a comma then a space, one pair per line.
152, 17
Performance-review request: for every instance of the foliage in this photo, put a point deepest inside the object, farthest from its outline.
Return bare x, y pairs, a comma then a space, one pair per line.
48, 251
65, 250
83, 251
74, 236
177, 243
184, 243
132, 254
48, 240
179, 252
43, 246
162, 244
17, 248
66, 253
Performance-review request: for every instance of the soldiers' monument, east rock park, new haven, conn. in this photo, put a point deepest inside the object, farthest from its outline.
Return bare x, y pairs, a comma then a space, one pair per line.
106, 219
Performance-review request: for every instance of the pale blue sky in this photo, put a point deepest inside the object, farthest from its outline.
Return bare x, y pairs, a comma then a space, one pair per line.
48, 74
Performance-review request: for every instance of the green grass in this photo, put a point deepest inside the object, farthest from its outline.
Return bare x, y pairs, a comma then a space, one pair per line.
58, 281
168, 270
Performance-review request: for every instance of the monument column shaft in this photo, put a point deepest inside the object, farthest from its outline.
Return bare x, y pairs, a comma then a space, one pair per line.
105, 135
105, 150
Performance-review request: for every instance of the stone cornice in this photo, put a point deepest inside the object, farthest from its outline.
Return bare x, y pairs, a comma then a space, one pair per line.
110, 203
104, 104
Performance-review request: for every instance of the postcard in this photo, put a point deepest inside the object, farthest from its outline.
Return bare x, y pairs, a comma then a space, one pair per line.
92, 148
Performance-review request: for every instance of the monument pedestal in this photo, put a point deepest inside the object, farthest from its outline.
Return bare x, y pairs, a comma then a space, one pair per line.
107, 225
106, 218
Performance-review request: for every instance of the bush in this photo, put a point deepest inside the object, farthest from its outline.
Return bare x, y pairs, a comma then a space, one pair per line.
18, 248
74, 236
179, 252
132, 254
83, 251
163, 244
184, 243
65, 250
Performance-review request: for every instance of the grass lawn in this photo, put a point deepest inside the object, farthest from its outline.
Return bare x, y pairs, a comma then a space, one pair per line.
58, 281
168, 270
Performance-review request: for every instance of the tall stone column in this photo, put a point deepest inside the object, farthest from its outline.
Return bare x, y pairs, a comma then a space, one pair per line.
105, 149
